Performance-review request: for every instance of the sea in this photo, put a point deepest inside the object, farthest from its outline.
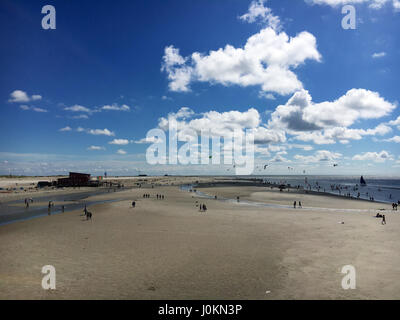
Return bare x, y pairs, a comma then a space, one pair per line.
382, 189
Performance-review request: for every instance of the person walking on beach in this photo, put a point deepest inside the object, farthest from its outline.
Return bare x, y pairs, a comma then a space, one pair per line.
300, 204
294, 205
133, 204
383, 219
62, 208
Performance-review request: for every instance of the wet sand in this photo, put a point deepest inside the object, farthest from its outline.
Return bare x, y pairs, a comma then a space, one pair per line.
167, 249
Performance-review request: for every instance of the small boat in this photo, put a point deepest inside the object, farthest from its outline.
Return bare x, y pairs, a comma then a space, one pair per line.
362, 181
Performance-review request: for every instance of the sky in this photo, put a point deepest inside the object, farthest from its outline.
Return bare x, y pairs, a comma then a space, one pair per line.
319, 99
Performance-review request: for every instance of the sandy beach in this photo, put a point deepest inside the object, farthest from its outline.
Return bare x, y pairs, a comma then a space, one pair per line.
259, 248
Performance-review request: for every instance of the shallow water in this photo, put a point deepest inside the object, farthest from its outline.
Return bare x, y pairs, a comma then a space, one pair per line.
10, 213
381, 189
269, 205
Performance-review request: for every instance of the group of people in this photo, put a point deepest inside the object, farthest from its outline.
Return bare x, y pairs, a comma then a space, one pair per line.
203, 207
159, 196
394, 205
295, 204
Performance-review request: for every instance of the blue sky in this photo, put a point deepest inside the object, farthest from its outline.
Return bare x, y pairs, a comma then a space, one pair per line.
83, 96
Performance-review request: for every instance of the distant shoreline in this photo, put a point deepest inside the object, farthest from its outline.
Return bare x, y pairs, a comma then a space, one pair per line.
292, 190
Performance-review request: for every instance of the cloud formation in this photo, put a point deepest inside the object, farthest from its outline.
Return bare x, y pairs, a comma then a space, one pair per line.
373, 4
120, 142
374, 156
258, 12
395, 139
36, 109
78, 108
267, 60
115, 107
378, 55
329, 121
22, 96
215, 123
96, 148
65, 129
319, 156
104, 132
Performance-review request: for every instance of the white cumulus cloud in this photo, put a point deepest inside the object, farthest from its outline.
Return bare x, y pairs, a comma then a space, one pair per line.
120, 142
374, 156
104, 132
96, 148
329, 121
395, 139
22, 96
267, 60
377, 55
257, 11
78, 108
373, 4
318, 156
115, 107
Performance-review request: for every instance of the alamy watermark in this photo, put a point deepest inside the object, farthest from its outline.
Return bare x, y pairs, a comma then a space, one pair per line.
49, 20
349, 280
236, 148
49, 280
350, 18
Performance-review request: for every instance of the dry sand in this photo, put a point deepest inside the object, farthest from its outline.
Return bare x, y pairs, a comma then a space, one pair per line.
167, 249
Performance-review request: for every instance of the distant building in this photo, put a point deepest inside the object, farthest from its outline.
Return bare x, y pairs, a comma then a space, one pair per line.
75, 179
42, 184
